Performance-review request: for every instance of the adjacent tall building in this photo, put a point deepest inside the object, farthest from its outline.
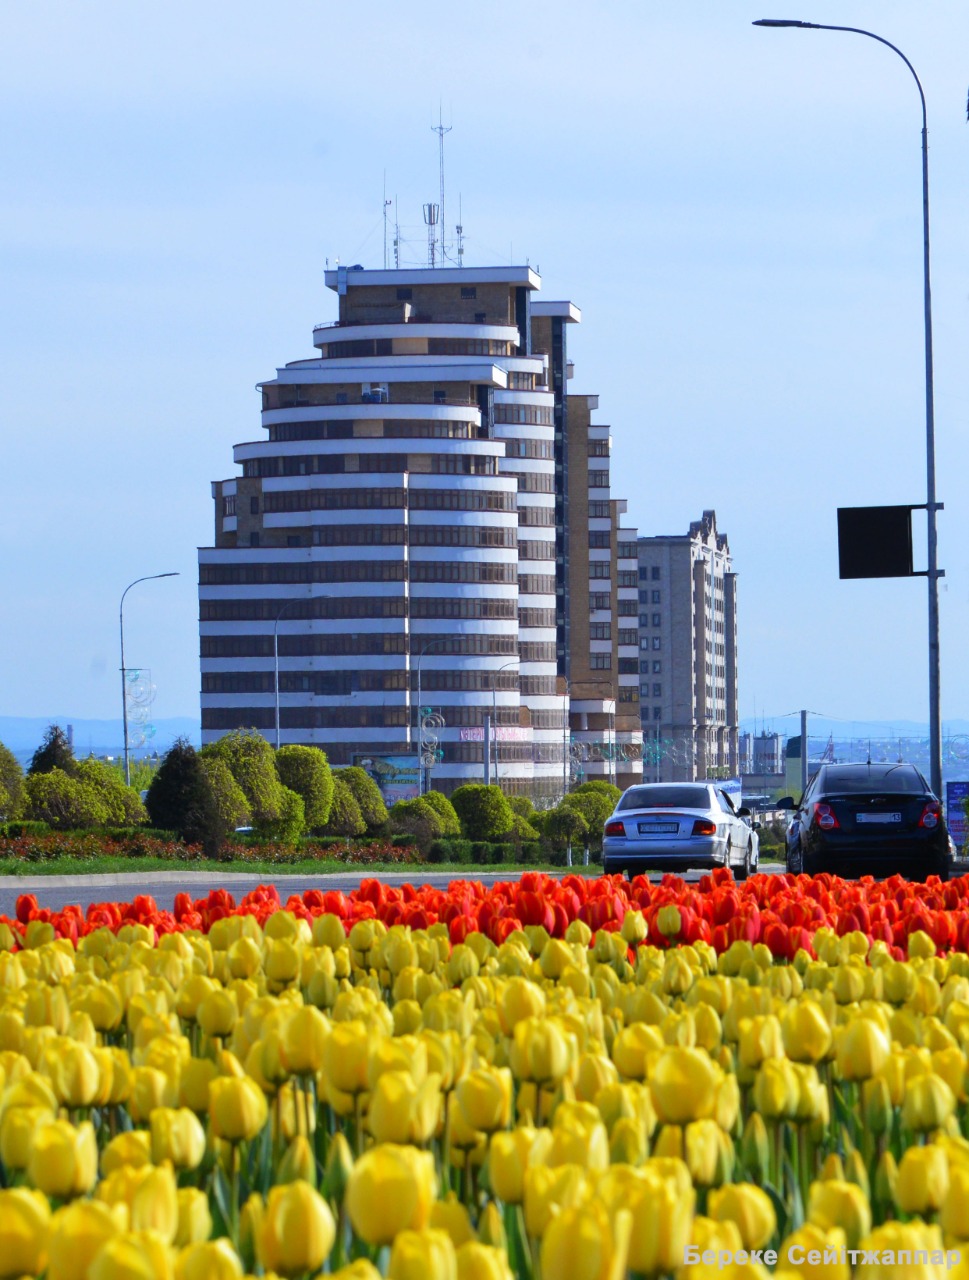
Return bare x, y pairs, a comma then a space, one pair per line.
403, 570
688, 654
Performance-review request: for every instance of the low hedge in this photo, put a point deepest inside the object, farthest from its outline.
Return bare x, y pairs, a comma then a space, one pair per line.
15, 829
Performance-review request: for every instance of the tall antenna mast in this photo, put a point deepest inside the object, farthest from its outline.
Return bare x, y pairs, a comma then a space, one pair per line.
396, 233
387, 204
440, 130
460, 230
431, 212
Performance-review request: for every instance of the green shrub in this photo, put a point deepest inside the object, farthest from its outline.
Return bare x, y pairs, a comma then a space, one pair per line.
123, 804
404, 841
181, 799
11, 784
484, 812
595, 807
418, 819
230, 800
450, 851
563, 825
445, 810
252, 762
345, 817
55, 752
365, 791
65, 803
522, 805
15, 830
532, 852
306, 771
291, 823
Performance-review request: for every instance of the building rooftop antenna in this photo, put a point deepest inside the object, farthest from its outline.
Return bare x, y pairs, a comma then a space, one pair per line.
387, 204
460, 230
440, 130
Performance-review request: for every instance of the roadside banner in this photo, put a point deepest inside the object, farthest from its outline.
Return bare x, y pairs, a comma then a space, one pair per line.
955, 814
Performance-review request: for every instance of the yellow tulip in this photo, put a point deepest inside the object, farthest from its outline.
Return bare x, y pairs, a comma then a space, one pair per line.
904, 1251
777, 1090
482, 1261
805, 1250
662, 1217
923, 1180
297, 1231
749, 1208
194, 1217
683, 1085
63, 1160
74, 1074
193, 1084
177, 1135
237, 1108
928, 1103
484, 1097
132, 1255
217, 1013
24, 1232
208, 1260
579, 1137
126, 1149
581, 1243
760, 1038
298, 1163
399, 1053
510, 1154
77, 1233
302, 1040
805, 1031
17, 1128
548, 1190
150, 1088
450, 1215
390, 1189
422, 1255
345, 1056
834, 1203
540, 1051
633, 1047
862, 1050
595, 1071
709, 1153
402, 1111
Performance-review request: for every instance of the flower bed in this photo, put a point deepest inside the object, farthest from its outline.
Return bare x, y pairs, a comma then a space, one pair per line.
547, 1078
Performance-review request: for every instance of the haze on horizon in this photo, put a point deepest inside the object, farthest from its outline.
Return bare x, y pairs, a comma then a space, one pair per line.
737, 212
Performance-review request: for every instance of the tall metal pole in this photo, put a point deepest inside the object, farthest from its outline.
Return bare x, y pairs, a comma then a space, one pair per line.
124, 684
804, 752
420, 747
934, 573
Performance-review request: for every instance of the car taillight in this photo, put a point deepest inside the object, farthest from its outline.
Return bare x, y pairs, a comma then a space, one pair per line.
615, 829
825, 817
931, 815
704, 827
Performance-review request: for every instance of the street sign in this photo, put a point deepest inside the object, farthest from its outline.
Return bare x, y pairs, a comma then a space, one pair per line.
874, 542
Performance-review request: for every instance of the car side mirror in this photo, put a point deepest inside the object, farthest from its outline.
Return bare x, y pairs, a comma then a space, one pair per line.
786, 803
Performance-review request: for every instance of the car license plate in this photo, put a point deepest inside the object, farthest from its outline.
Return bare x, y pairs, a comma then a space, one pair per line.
879, 817
658, 828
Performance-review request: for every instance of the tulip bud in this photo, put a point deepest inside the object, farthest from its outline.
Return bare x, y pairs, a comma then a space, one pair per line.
297, 1231
63, 1159
876, 1105
25, 1223
298, 1163
755, 1147
131, 1253
923, 1180
194, 1221
177, 1135
450, 1215
390, 1189
237, 1108
749, 1208
491, 1230
208, 1260
77, 1233
886, 1179
927, 1104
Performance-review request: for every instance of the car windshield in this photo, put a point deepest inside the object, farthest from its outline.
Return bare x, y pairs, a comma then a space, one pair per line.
663, 796
866, 778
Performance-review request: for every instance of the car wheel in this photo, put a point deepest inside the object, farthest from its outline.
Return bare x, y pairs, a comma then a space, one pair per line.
795, 860
745, 866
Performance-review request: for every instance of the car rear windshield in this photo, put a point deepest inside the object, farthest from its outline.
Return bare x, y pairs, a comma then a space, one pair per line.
666, 797
865, 778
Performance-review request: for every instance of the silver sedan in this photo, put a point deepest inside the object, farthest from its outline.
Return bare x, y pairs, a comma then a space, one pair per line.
673, 826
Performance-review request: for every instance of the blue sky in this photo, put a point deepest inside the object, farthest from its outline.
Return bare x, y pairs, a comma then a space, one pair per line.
736, 211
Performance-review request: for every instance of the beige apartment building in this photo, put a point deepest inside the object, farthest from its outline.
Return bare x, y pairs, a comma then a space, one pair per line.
688, 655
391, 576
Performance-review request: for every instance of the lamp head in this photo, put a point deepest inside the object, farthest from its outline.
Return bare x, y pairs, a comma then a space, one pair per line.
782, 22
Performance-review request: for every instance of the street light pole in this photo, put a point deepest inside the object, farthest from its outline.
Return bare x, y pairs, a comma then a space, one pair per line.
931, 505
124, 684
420, 749
494, 707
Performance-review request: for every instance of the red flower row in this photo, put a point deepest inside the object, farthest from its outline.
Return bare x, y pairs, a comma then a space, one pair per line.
782, 912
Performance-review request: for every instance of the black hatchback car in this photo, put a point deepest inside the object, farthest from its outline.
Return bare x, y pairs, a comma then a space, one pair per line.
868, 819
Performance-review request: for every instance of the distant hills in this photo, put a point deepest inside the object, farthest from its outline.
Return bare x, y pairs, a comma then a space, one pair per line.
23, 734
843, 730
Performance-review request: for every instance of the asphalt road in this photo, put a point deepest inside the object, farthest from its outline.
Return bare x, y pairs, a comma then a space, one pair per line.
60, 891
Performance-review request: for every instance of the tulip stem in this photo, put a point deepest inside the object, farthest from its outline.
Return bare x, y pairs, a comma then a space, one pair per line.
234, 1193
446, 1154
